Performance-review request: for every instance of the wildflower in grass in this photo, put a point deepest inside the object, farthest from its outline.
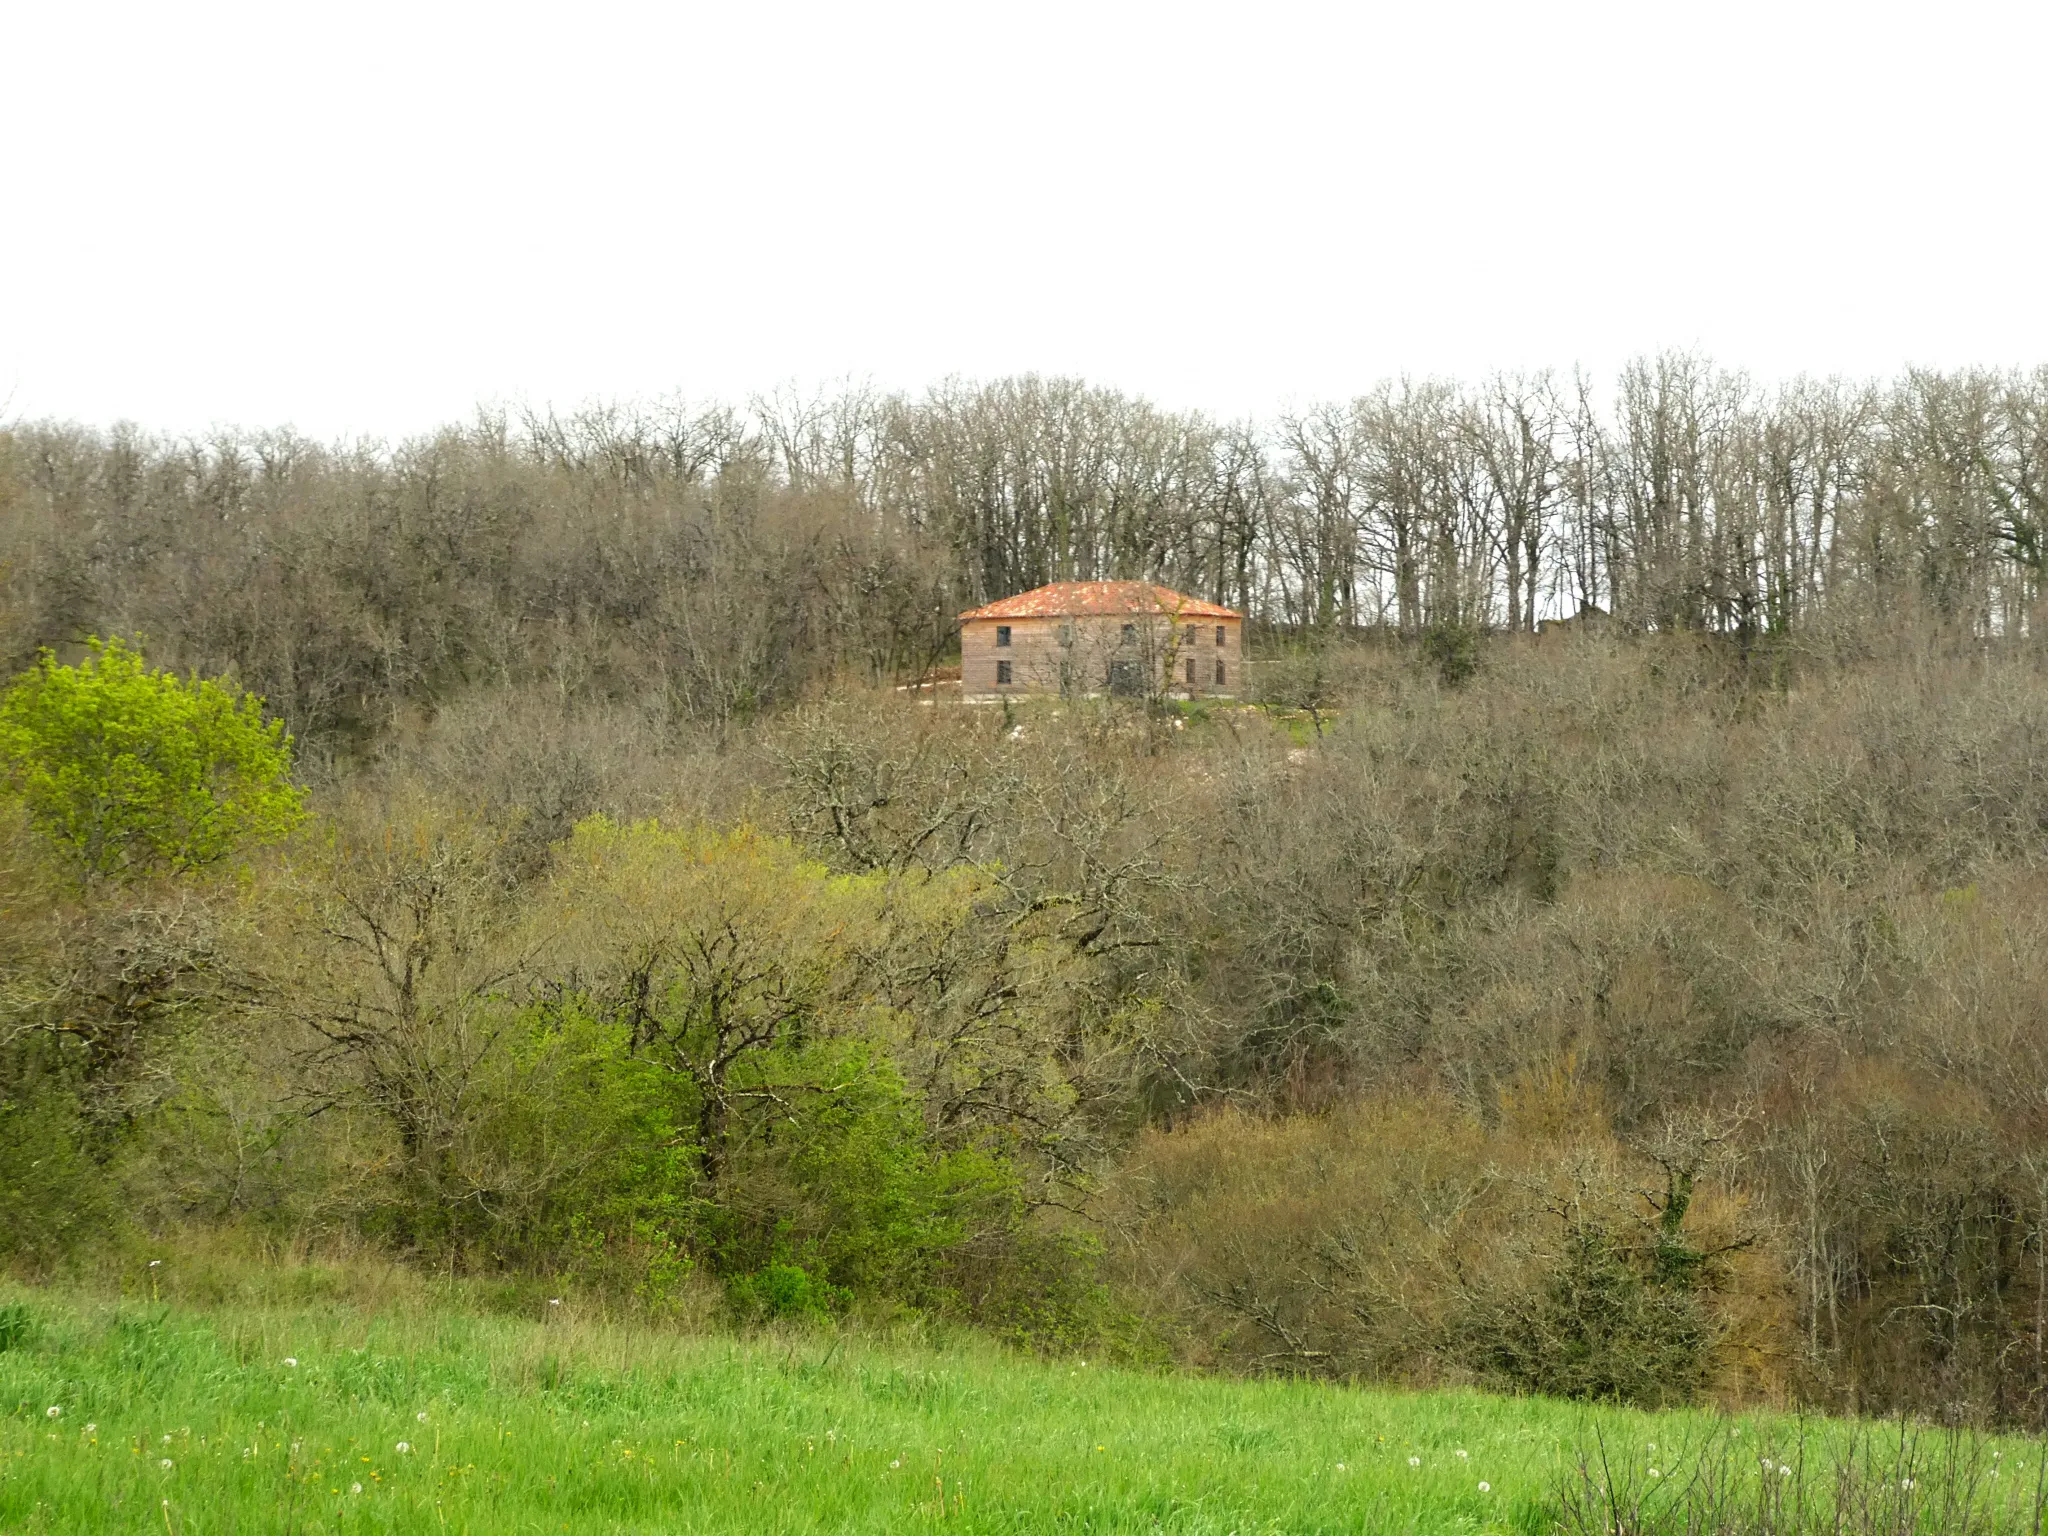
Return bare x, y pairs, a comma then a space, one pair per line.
1461, 1455
92, 1429
1655, 1473
165, 1464
1906, 1483
403, 1447
1414, 1461
1767, 1463
292, 1361
1340, 1466
52, 1411
421, 1415
1486, 1487
1784, 1469
1653, 1445
895, 1464
355, 1487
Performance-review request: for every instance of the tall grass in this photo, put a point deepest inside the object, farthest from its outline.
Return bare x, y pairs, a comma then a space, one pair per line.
1803, 1478
325, 1416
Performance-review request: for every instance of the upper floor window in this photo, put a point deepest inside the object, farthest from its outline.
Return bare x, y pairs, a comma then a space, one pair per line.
1002, 634
1219, 634
1190, 636
1130, 633
1002, 673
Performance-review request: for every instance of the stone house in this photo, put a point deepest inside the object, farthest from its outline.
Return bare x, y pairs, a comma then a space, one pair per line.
1129, 638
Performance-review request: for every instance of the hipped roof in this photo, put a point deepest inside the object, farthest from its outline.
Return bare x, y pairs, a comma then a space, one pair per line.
1069, 599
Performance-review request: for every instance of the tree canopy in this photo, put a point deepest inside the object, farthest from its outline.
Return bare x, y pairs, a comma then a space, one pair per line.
133, 770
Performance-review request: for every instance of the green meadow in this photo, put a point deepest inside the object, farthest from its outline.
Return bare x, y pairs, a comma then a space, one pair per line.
328, 1416
331, 1420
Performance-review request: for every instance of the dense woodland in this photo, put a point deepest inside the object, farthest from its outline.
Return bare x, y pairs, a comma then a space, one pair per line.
1649, 1007
707, 564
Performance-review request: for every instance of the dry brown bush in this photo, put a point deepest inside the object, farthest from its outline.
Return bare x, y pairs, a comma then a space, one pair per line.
1399, 1237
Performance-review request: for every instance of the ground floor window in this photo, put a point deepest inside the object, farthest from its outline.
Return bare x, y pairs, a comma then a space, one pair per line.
1191, 669
1219, 673
1002, 673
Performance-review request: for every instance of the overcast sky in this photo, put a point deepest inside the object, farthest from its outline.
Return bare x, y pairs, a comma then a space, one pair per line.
367, 218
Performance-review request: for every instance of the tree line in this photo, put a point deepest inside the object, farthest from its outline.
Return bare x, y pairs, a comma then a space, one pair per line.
710, 561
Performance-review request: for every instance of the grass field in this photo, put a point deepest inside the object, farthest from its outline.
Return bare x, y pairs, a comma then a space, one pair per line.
334, 1418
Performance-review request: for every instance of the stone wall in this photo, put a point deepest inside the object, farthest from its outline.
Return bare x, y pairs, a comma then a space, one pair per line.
1096, 654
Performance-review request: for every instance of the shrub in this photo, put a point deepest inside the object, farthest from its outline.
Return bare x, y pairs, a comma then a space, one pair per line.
1453, 650
786, 1291
1602, 1324
131, 770
55, 1200
1401, 1237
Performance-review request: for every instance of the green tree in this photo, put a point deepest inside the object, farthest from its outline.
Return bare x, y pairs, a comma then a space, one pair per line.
133, 770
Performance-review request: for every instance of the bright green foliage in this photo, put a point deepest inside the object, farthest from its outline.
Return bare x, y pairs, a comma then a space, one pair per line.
777, 1112
787, 1291
132, 770
853, 1190
700, 1055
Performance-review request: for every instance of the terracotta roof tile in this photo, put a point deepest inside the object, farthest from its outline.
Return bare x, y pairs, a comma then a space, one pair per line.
1064, 599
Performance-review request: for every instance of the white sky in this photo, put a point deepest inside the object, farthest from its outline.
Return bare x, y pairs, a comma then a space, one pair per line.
367, 218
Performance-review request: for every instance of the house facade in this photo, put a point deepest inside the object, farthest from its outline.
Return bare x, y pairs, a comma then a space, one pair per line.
1128, 638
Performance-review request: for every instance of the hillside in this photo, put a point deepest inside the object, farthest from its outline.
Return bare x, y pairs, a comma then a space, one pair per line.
330, 1416
511, 854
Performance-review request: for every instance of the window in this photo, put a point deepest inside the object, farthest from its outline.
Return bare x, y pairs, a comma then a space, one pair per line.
1191, 670
1130, 633
1219, 635
1191, 635
1002, 673
1066, 634
1002, 634
1219, 673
